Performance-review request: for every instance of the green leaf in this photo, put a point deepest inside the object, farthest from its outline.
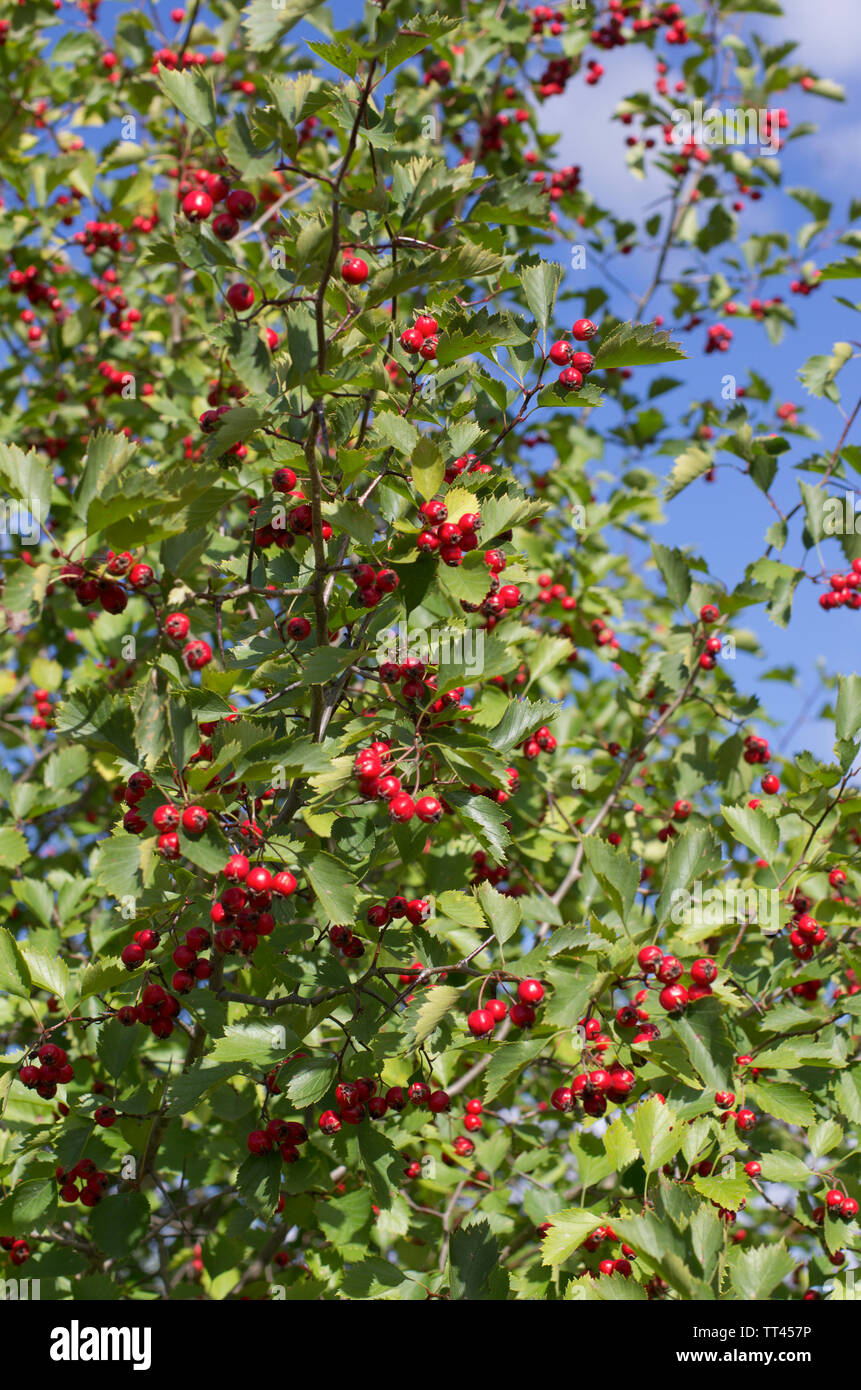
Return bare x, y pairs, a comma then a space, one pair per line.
428, 468
47, 971
848, 712
521, 718
620, 1145
707, 1237
396, 431
780, 1166
334, 887
540, 285
251, 161
381, 1162
119, 1223
674, 568
502, 912
703, 1033
192, 93
779, 582
823, 1137
657, 1131
311, 1080
29, 481
472, 1260
259, 1044
438, 1002
14, 975
13, 849
508, 1059
32, 1202
753, 828
755, 1273
661, 1244
486, 820
848, 1094
115, 1047
568, 1230
258, 1183
115, 865
375, 1278
692, 856
618, 875
783, 1100
727, 1192
637, 345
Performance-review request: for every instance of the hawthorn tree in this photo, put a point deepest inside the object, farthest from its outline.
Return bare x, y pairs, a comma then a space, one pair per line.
401, 897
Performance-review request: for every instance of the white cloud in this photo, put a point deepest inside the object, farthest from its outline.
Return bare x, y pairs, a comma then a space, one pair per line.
591, 138
828, 34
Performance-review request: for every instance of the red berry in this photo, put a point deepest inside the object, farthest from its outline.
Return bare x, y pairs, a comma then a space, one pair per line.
240, 296
197, 654
480, 1023
649, 958
703, 971
521, 1015
354, 270
673, 999
284, 884
530, 991
194, 820
197, 206
402, 808
241, 203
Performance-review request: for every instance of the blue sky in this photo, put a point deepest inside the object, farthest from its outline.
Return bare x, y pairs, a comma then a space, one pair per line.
725, 521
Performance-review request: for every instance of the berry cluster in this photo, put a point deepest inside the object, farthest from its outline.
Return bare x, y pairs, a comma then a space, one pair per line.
594, 1089
44, 715
375, 783
101, 584
198, 204
372, 585
83, 1183
156, 1010
422, 339
540, 742
19, 1250
50, 1069
576, 365
844, 589
357, 1100
483, 1020
415, 910
451, 539
286, 1135
197, 653
667, 970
